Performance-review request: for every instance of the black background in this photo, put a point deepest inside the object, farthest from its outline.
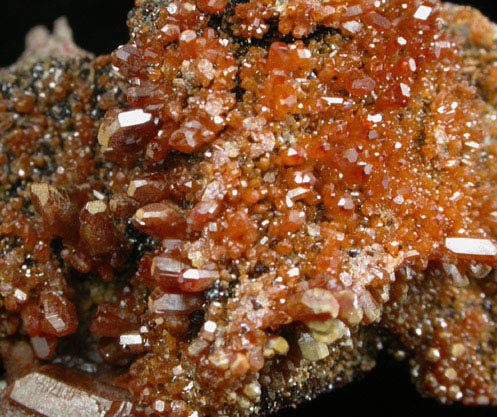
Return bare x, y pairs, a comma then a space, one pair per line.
99, 26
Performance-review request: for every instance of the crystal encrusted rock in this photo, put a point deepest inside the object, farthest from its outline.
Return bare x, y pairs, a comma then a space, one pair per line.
220, 210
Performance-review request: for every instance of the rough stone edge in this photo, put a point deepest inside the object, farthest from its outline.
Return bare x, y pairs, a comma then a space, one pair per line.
41, 44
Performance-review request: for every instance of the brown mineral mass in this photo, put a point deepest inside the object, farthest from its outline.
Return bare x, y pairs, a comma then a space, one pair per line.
56, 391
228, 214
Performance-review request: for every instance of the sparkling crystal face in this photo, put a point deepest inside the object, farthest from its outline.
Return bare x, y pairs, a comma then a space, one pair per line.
423, 13
134, 118
475, 247
54, 391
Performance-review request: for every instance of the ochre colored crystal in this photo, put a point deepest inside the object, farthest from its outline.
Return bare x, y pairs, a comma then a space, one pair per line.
59, 315
160, 219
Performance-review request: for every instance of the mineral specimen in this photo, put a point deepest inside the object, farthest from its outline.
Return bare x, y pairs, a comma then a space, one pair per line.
240, 203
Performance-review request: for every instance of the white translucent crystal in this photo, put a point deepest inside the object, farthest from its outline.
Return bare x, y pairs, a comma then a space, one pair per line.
210, 326
200, 274
422, 13
130, 339
333, 100
375, 118
352, 26
134, 118
406, 90
469, 246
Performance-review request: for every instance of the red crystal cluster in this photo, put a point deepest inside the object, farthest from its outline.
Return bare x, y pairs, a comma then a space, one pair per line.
321, 164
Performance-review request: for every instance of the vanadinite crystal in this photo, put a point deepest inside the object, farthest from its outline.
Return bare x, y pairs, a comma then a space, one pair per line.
228, 202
